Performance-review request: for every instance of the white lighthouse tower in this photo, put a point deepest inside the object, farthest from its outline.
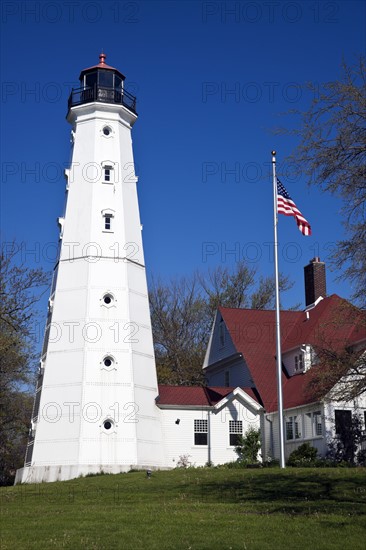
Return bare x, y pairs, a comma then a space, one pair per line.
95, 403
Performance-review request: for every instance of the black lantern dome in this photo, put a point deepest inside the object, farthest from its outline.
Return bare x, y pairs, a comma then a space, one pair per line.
104, 84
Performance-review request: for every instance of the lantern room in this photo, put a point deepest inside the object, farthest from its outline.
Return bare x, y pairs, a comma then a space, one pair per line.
102, 83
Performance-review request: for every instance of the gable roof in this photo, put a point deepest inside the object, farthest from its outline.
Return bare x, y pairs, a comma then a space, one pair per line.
197, 396
253, 332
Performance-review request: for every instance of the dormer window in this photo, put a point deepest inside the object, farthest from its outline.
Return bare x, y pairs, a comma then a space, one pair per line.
299, 362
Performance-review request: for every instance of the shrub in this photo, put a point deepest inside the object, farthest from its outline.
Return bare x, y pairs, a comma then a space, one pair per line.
184, 461
304, 455
248, 446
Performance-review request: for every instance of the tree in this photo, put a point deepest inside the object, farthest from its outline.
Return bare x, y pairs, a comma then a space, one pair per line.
20, 289
180, 328
344, 446
239, 288
183, 310
339, 371
332, 154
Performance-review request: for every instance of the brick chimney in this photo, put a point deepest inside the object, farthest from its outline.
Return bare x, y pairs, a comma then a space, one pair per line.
315, 283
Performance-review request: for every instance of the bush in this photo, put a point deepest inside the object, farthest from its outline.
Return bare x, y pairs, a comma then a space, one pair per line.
248, 446
184, 462
305, 455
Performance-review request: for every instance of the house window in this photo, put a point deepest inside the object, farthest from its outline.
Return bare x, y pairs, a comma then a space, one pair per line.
313, 426
317, 423
299, 362
292, 427
235, 431
343, 421
200, 432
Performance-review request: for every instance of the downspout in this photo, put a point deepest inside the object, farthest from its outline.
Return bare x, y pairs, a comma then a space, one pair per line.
209, 437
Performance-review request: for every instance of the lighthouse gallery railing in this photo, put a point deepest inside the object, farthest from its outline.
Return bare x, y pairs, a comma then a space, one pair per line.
102, 94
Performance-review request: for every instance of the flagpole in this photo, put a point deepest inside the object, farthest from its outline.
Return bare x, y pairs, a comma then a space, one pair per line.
278, 328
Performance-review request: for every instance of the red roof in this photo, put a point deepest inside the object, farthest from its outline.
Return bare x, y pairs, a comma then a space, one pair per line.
195, 395
253, 333
102, 65
333, 320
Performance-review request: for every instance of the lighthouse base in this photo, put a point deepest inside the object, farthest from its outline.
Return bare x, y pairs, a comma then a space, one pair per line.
48, 474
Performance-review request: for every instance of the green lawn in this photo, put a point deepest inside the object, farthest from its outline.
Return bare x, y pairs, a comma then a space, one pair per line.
191, 509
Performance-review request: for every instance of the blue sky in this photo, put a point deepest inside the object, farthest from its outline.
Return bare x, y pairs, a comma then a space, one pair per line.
211, 79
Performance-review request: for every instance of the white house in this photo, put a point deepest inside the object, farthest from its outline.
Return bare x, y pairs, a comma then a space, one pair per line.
241, 357
242, 352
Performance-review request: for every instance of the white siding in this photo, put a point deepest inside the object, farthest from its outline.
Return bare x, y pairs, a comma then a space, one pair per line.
306, 434
239, 375
219, 348
235, 372
179, 438
358, 406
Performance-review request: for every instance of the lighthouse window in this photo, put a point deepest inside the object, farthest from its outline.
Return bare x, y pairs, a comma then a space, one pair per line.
107, 424
106, 130
107, 223
91, 79
108, 168
106, 78
107, 173
108, 362
108, 299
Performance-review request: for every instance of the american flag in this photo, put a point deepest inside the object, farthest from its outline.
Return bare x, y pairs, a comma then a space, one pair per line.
285, 205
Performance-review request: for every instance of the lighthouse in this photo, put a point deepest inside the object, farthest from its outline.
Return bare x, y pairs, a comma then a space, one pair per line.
94, 408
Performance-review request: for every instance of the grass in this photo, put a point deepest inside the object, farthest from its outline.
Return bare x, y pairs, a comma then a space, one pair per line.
191, 509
